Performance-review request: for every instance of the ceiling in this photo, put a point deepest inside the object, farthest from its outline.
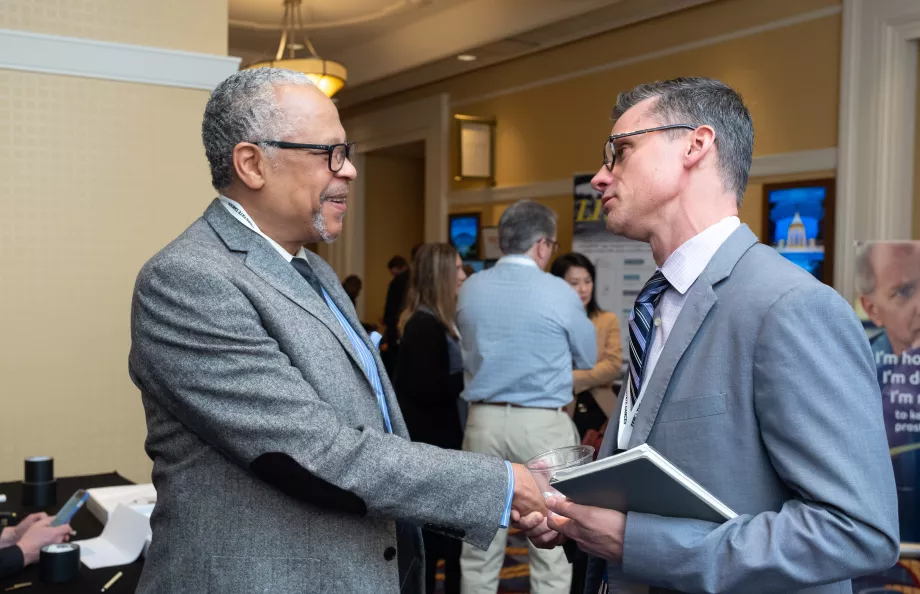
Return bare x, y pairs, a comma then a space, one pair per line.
392, 45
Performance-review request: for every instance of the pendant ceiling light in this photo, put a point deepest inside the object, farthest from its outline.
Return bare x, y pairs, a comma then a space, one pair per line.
330, 76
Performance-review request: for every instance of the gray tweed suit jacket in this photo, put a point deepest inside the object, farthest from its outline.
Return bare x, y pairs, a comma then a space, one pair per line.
273, 469
766, 394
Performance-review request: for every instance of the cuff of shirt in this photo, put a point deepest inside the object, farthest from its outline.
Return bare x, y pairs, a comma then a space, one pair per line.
506, 515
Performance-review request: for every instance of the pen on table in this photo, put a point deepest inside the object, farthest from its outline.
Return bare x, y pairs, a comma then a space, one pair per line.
17, 586
111, 581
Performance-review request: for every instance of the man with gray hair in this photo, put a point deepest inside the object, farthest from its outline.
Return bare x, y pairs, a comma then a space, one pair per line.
752, 377
280, 458
521, 331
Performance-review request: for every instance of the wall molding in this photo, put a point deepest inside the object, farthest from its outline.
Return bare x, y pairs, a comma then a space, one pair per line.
669, 51
90, 58
763, 166
877, 108
793, 163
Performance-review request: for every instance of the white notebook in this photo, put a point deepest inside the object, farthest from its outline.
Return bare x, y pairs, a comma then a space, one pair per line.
640, 480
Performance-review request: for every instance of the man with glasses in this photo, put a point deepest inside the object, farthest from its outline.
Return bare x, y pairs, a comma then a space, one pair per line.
752, 377
521, 331
281, 460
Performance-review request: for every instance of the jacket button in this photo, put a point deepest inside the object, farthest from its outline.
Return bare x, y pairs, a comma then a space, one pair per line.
389, 554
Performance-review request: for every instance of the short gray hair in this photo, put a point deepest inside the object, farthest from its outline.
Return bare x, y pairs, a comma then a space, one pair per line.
865, 272
702, 101
523, 224
243, 109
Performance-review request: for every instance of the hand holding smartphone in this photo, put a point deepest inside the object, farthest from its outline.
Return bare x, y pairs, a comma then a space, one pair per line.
73, 504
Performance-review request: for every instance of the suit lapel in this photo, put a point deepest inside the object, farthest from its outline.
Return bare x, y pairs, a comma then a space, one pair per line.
699, 302
695, 309
264, 261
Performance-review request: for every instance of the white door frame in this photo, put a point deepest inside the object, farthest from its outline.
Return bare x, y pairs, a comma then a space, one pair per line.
878, 90
423, 120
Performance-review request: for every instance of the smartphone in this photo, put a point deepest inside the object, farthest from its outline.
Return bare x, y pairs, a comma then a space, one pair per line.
73, 504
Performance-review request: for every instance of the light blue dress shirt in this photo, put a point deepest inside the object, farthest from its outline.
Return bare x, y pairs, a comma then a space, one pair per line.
523, 330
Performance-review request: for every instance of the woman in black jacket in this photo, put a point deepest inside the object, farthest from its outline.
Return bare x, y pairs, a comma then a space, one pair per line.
429, 377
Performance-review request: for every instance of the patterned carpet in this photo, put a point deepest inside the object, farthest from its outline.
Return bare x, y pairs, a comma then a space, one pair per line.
515, 575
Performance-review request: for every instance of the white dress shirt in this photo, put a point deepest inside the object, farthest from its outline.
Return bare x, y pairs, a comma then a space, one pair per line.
682, 268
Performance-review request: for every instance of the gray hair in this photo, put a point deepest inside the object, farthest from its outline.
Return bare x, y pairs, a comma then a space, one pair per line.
865, 272
243, 109
523, 224
700, 101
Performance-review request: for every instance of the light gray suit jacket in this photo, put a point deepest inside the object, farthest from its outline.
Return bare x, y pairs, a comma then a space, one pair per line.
272, 466
766, 395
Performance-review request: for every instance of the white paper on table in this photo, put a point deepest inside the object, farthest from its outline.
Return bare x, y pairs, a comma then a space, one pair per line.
121, 540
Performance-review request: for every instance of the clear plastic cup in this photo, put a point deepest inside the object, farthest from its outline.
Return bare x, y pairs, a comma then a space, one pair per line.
545, 465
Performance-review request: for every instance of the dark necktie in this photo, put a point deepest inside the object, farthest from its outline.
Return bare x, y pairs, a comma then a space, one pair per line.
640, 329
303, 267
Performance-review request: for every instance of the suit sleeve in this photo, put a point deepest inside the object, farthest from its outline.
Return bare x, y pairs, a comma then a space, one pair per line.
608, 363
201, 350
817, 401
11, 561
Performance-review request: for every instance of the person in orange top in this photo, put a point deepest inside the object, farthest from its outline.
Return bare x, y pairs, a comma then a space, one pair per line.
594, 396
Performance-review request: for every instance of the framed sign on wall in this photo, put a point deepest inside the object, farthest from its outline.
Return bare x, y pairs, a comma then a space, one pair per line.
476, 148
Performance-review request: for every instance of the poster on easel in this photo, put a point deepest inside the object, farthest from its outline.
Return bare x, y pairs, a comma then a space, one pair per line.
888, 303
622, 266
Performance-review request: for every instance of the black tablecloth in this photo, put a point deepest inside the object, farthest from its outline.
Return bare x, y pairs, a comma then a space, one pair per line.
86, 525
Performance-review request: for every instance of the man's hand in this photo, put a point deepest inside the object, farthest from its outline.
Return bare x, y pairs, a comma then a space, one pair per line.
599, 532
39, 534
527, 496
534, 526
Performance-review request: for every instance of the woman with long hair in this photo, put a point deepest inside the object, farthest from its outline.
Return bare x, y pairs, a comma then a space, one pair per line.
429, 377
594, 397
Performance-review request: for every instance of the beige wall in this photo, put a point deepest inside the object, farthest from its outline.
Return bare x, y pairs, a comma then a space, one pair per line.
98, 176
556, 130
394, 221
195, 26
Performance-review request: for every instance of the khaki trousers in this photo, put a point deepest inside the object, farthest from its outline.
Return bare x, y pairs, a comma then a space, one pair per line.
515, 434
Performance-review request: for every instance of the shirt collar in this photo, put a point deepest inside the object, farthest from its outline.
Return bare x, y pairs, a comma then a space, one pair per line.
519, 259
239, 213
687, 263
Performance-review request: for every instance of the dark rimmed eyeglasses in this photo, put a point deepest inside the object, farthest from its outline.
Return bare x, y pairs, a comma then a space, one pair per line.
610, 151
552, 243
338, 153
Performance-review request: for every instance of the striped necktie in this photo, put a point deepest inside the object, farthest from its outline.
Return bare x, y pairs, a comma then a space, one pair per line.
640, 330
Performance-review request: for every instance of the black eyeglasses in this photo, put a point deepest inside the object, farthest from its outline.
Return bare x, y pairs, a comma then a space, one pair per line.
552, 243
338, 153
610, 151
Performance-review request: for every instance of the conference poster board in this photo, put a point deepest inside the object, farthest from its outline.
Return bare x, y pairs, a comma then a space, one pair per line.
622, 265
888, 302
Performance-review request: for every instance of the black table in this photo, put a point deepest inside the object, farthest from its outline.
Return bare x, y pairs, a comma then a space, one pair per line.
86, 525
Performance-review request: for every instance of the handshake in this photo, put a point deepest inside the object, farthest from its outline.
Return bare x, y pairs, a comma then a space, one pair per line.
550, 521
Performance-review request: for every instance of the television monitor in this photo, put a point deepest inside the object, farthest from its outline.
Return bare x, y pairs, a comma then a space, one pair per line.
464, 231
799, 224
